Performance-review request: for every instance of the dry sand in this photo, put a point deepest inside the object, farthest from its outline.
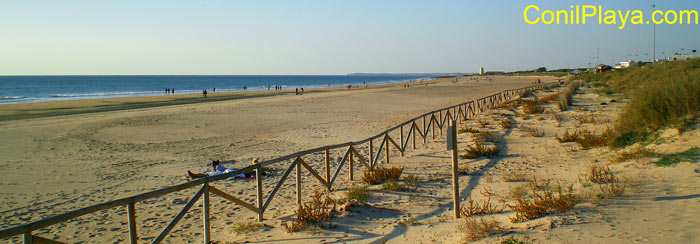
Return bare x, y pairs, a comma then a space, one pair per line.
57, 164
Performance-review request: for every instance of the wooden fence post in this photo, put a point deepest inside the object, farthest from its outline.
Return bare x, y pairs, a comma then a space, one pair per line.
413, 127
131, 212
440, 122
328, 168
433, 122
401, 142
205, 215
371, 155
388, 149
350, 159
425, 139
298, 181
455, 165
258, 187
28, 239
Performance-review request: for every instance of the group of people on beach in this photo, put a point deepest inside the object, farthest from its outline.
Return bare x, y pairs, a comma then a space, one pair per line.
298, 92
169, 91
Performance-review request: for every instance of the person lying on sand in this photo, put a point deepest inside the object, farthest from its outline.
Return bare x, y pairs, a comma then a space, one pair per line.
220, 169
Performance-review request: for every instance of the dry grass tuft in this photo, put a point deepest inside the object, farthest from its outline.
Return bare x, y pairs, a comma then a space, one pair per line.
506, 124
478, 228
515, 177
380, 175
467, 130
483, 123
408, 183
487, 136
565, 96
243, 228
609, 185
568, 137
473, 209
586, 139
507, 106
318, 210
532, 107
600, 175
590, 139
519, 191
548, 98
514, 240
543, 201
479, 150
634, 154
532, 131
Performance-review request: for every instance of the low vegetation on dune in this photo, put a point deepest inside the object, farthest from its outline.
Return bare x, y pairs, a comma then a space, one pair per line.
320, 209
380, 175
476, 228
660, 95
543, 200
586, 139
565, 96
480, 150
358, 193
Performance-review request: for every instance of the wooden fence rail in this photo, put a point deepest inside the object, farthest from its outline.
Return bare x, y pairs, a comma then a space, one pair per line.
430, 121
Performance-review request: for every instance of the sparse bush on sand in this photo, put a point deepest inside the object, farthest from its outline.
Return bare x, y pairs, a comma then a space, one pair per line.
506, 124
479, 150
478, 228
532, 131
380, 175
585, 138
357, 193
318, 210
543, 201
472, 208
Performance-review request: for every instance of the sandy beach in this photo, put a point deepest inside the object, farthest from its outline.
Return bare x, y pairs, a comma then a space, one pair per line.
62, 163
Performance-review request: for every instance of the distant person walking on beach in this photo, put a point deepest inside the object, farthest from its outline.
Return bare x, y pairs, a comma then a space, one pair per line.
172, 90
167, 90
214, 89
204, 93
296, 92
302, 91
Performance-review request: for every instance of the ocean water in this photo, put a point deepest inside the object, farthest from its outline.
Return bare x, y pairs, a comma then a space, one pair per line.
28, 89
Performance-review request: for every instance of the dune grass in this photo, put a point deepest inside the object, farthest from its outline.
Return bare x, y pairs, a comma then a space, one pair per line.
661, 95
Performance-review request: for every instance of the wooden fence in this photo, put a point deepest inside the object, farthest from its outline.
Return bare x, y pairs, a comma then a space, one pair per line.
408, 132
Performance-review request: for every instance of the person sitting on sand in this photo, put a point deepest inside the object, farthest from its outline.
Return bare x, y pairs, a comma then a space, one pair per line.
220, 169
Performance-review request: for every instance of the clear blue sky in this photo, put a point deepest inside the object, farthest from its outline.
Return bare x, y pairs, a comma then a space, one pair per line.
315, 37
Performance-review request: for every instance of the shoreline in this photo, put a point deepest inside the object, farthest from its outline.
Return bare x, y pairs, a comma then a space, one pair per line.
21, 111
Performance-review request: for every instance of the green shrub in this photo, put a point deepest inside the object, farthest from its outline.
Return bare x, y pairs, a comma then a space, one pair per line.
358, 194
